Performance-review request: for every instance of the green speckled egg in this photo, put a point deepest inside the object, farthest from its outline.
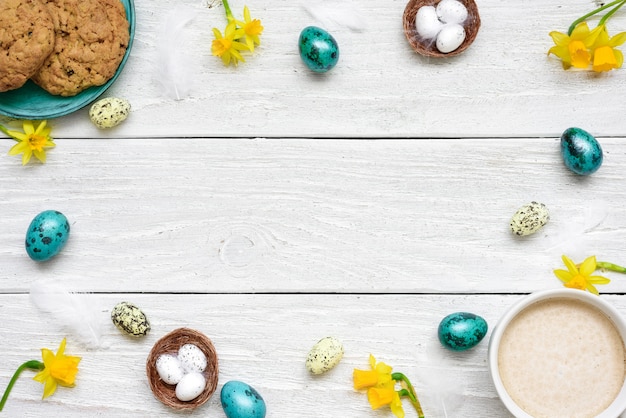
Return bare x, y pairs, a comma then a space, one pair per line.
47, 234
461, 331
581, 151
129, 319
318, 49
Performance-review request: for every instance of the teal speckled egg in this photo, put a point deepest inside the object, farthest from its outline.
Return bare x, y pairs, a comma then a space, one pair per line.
47, 235
581, 151
461, 331
240, 400
318, 49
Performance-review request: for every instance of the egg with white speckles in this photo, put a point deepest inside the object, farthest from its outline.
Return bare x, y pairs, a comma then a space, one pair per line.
169, 369
581, 152
461, 331
241, 400
128, 318
324, 355
109, 112
529, 219
318, 49
190, 386
192, 358
47, 234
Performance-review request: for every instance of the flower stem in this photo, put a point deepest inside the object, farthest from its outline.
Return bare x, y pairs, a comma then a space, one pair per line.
409, 391
32, 364
610, 266
609, 14
593, 12
229, 13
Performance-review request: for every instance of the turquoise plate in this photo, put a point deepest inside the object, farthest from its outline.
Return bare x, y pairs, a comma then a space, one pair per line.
32, 102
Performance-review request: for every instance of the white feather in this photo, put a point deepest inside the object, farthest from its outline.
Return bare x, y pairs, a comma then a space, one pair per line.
175, 68
76, 312
573, 235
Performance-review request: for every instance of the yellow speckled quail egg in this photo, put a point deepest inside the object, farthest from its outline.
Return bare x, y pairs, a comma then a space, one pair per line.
109, 112
192, 358
129, 319
324, 355
529, 219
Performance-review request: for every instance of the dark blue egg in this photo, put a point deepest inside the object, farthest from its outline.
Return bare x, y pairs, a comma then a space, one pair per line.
318, 49
240, 400
461, 331
47, 235
581, 151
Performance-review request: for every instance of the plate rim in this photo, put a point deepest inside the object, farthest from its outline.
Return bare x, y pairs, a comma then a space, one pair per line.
100, 90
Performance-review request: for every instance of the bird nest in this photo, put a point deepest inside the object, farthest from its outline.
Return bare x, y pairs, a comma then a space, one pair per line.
427, 47
169, 344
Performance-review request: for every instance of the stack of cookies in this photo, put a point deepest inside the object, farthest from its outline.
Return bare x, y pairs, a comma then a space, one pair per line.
64, 46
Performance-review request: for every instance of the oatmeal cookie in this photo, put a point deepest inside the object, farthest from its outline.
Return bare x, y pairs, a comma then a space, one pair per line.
91, 40
26, 40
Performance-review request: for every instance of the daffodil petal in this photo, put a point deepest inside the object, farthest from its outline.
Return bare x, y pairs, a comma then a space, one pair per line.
563, 275
618, 39
571, 267
588, 266
599, 280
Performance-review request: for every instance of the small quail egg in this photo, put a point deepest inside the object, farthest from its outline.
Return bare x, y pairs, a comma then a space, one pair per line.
109, 112
47, 234
324, 355
581, 152
461, 331
190, 386
451, 11
192, 358
529, 219
128, 318
450, 38
169, 368
426, 22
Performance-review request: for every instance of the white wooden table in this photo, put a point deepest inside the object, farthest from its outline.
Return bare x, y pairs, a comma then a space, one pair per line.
273, 207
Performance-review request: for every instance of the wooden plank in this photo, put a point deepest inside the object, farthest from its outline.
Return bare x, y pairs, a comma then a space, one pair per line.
505, 85
197, 215
266, 350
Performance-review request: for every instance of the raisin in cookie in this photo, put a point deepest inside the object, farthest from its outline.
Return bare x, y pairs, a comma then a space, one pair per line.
26, 40
91, 40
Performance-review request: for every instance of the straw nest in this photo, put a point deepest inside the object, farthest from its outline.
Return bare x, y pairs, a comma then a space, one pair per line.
427, 47
169, 344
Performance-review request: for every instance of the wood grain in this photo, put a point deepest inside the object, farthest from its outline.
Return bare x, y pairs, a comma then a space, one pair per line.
223, 215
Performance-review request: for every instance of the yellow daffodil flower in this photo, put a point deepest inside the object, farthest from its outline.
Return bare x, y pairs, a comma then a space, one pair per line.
56, 369
580, 277
386, 394
380, 384
229, 45
33, 141
252, 29
575, 49
226, 47
379, 374
605, 56
59, 369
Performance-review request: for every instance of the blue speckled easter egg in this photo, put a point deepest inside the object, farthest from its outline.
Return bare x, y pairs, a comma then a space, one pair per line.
461, 331
318, 49
240, 400
581, 151
47, 235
